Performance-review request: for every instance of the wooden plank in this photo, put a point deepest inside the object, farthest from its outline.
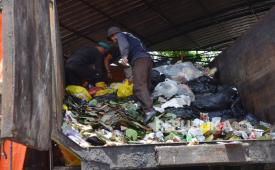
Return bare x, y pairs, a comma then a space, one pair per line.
58, 68
250, 65
27, 73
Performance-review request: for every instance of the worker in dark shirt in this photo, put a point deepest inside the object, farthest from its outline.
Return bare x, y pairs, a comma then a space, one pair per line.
133, 52
112, 57
86, 65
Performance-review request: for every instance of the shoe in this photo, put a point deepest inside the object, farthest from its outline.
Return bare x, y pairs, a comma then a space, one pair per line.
149, 116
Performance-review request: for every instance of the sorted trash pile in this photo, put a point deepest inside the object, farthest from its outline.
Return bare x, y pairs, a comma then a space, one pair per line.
192, 107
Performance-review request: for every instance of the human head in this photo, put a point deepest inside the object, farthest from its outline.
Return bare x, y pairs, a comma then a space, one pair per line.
112, 31
104, 45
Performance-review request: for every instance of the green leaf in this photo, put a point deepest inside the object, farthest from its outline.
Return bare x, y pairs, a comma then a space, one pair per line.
131, 134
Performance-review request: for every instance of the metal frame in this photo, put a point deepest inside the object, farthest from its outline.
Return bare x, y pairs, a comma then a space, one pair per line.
245, 8
167, 155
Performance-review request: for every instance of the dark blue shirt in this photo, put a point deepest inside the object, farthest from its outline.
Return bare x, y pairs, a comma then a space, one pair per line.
131, 47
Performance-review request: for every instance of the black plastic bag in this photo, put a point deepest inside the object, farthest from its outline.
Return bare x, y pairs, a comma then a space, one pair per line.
185, 112
218, 101
95, 141
106, 98
237, 108
203, 84
224, 114
251, 118
156, 78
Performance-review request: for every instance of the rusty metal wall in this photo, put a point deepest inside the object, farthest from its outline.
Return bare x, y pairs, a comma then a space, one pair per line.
250, 65
161, 24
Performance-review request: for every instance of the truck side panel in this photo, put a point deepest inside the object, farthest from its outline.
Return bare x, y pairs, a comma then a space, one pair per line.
249, 64
27, 88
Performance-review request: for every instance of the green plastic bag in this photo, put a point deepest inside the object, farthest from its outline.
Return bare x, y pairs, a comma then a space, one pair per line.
125, 90
79, 92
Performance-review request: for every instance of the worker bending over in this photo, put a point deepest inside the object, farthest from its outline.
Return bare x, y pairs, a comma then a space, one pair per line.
133, 52
86, 65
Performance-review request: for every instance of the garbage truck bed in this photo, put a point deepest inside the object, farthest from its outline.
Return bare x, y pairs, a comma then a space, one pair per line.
175, 154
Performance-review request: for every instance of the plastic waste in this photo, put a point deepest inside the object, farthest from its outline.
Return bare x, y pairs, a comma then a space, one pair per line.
102, 85
218, 101
224, 114
95, 141
251, 118
170, 88
197, 122
173, 137
125, 90
206, 128
107, 97
216, 121
202, 85
92, 103
156, 78
79, 92
181, 72
150, 136
258, 132
115, 86
94, 90
204, 117
168, 127
185, 112
156, 124
74, 136
104, 92
159, 136
177, 102
195, 133
227, 127
186, 91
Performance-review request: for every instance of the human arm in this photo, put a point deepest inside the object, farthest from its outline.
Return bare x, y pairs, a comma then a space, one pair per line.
123, 47
107, 61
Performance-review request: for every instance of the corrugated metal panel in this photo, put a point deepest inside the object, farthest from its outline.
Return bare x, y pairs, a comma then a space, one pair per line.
161, 24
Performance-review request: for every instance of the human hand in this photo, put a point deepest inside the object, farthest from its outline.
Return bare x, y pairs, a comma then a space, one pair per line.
110, 76
124, 61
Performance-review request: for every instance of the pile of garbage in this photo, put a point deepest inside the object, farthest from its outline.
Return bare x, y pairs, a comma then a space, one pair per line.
192, 107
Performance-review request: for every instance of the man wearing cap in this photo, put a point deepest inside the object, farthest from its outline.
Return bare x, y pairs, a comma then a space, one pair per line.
86, 64
133, 52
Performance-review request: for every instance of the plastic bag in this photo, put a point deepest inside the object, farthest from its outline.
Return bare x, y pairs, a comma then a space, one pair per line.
104, 92
157, 78
206, 128
115, 86
218, 101
224, 114
180, 72
94, 90
177, 102
79, 92
103, 85
203, 84
106, 98
186, 112
170, 88
125, 90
